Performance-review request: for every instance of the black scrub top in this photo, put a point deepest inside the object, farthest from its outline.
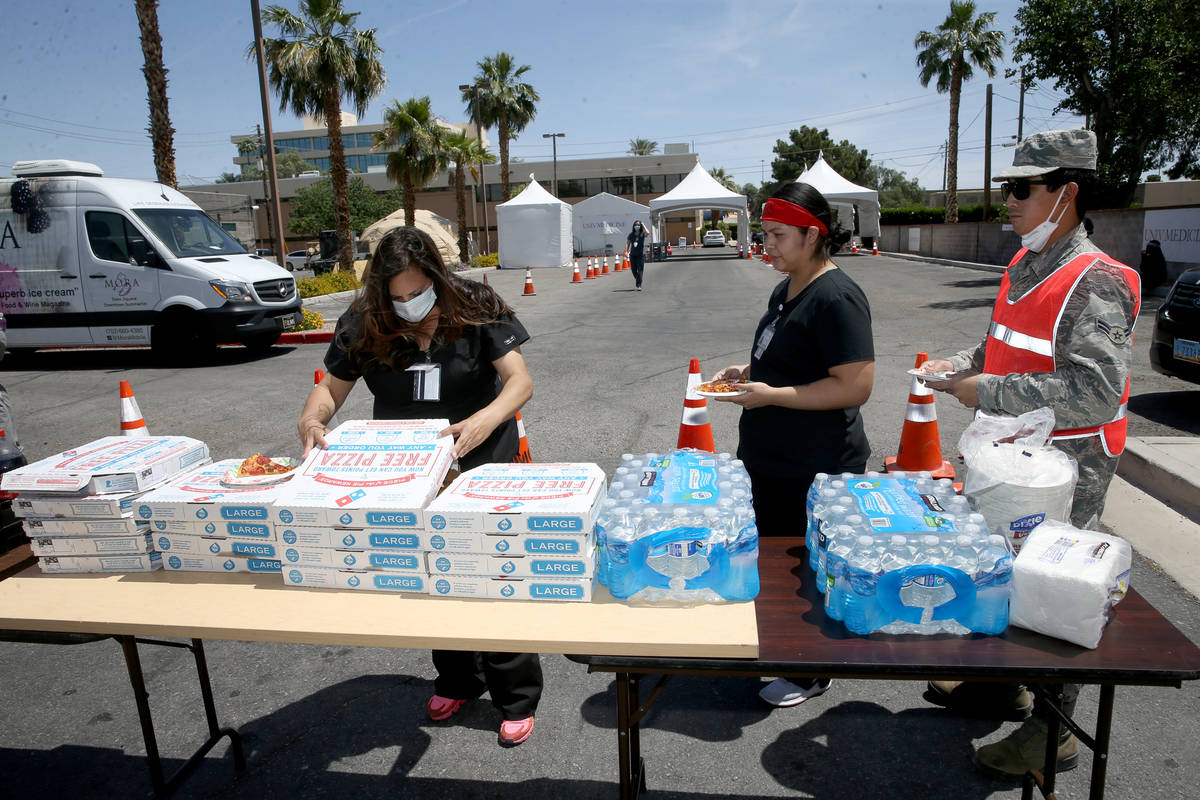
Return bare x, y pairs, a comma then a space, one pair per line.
637, 244
468, 380
826, 325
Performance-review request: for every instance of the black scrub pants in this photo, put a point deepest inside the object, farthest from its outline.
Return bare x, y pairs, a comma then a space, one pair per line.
514, 680
637, 265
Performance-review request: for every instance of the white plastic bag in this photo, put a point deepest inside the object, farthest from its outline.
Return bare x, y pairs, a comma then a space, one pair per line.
1015, 478
1066, 581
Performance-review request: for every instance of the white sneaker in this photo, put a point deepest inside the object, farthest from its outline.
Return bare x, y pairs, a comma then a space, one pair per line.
783, 693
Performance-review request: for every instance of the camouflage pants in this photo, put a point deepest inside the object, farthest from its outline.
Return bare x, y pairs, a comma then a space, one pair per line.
1096, 470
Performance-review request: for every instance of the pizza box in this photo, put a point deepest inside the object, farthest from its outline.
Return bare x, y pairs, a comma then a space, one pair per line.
201, 496
556, 544
519, 498
111, 464
354, 559
352, 538
139, 562
123, 526
90, 545
327, 578
514, 566
211, 563
183, 544
100, 506
577, 589
373, 474
260, 531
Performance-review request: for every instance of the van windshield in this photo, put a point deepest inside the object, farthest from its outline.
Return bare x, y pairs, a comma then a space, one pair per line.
188, 233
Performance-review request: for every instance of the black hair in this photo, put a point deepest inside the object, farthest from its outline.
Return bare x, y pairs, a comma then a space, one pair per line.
812, 201
1085, 179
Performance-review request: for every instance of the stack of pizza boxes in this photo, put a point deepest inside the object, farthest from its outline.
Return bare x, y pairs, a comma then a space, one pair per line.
80, 505
515, 531
209, 520
352, 515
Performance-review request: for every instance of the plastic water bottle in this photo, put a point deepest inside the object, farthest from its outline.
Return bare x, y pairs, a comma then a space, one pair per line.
824, 500
859, 605
605, 521
993, 585
834, 516
814, 493
841, 545
681, 559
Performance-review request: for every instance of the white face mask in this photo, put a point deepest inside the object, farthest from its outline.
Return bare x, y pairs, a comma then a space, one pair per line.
418, 308
1037, 238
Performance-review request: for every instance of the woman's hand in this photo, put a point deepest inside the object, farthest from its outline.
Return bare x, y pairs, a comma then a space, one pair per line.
964, 388
312, 434
757, 394
936, 365
469, 433
735, 373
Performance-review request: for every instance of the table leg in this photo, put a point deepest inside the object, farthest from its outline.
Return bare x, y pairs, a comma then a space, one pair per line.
1098, 744
629, 749
1104, 716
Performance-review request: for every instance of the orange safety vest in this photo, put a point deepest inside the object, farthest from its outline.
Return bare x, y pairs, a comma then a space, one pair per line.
1023, 332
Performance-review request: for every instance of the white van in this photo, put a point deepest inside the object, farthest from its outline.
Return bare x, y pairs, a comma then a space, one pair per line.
89, 260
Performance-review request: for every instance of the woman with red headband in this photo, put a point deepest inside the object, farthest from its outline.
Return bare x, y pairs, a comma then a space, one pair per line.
811, 368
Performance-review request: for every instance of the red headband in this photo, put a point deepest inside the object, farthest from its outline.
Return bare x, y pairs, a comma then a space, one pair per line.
777, 210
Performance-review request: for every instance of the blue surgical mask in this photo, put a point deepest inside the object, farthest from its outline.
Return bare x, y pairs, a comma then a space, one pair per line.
418, 308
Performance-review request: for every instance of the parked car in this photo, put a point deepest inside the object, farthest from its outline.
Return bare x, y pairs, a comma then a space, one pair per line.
1175, 347
265, 253
297, 259
714, 239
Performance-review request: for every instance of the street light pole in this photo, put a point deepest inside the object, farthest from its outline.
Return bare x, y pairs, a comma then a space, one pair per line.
473, 88
554, 137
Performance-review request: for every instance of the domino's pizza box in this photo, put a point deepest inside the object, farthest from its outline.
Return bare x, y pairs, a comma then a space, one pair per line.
183, 544
384, 539
202, 495
100, 506
354, 559
519, 498
575, 589
137, 562
60, 526
107, 465
381, 581
534, 544
211, 563
232, 529
372, 474
514, 566
91, 545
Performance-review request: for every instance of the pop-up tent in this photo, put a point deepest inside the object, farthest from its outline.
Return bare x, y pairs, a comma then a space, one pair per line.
701, 190
534, 229
834, 187
605, 219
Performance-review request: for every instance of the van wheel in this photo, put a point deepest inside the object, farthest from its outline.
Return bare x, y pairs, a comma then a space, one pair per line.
260, 343
182, 337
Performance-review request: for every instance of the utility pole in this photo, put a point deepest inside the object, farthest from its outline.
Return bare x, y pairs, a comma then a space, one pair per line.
987, 157
269, 142
473, 88
262, 168
1021, 109
554, 137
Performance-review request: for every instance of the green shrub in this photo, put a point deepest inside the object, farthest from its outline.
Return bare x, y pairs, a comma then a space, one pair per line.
328, 283
921, 215
486, 260
312, 321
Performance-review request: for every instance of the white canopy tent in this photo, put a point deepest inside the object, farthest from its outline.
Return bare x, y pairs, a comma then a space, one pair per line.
605, 219
701, 190
534, 229
834, 187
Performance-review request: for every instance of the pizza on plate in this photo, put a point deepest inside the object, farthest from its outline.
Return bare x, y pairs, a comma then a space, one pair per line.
258, 464
720, 387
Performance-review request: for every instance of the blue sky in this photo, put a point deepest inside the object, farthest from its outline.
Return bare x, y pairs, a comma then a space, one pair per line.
728, 78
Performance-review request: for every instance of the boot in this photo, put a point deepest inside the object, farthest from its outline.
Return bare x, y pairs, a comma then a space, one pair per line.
1006, 701
1025, 749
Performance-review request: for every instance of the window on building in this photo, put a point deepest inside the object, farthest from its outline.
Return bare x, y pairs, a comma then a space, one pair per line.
294, 144
593, 186
671, 181
363, 140
320, 163
495, 193
571, 188
320, 143
373, 160
622, 185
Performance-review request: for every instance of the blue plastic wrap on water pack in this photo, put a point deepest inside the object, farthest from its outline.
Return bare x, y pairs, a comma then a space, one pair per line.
903, 553
678, 529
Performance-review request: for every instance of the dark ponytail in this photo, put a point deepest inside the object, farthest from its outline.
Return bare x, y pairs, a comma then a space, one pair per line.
808, 198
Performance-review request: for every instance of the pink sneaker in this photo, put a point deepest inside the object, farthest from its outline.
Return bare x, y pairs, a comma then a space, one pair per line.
515, 731
439, 708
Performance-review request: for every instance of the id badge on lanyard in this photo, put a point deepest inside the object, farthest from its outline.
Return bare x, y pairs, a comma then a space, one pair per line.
427, 381
765, 338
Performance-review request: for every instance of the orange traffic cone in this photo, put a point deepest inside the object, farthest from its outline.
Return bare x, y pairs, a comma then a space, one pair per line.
766, 257
605, 270
523, 455
591, 273
854, 246
875, 247
920, 446
318, 375
133, 424
528, 282
575, 276
694, 429
625, 263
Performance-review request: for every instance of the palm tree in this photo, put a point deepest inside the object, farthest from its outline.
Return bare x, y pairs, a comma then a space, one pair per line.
642, 147
320, 58
162, 135
416, 137
502, 100
722, 177
464, 151
948, 53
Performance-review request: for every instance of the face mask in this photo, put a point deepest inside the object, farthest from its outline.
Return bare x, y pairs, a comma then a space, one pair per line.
1037, 238
637, 228
418, 308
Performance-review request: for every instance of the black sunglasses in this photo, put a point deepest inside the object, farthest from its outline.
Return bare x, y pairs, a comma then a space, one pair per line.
1018, 189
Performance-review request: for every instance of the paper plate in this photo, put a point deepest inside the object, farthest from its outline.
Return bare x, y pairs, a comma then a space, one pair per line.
932, 377
734, 393
231, 478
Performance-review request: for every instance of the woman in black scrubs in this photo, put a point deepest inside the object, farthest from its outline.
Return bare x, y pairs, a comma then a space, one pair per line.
811, 368
430, 345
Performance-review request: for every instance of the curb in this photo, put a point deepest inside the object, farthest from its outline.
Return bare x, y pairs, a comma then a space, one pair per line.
1154, 464
947, 262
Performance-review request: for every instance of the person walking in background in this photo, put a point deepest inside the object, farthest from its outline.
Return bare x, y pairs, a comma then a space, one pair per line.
1061, 336
812, 366
636, 243
413, 317
1153, 266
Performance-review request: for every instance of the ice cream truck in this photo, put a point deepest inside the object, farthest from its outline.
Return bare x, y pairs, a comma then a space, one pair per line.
87, 260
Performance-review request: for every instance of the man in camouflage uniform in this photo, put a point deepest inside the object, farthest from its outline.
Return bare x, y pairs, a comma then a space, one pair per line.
1060, 336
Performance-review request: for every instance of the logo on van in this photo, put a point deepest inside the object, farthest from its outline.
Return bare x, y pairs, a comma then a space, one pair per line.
121, 285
